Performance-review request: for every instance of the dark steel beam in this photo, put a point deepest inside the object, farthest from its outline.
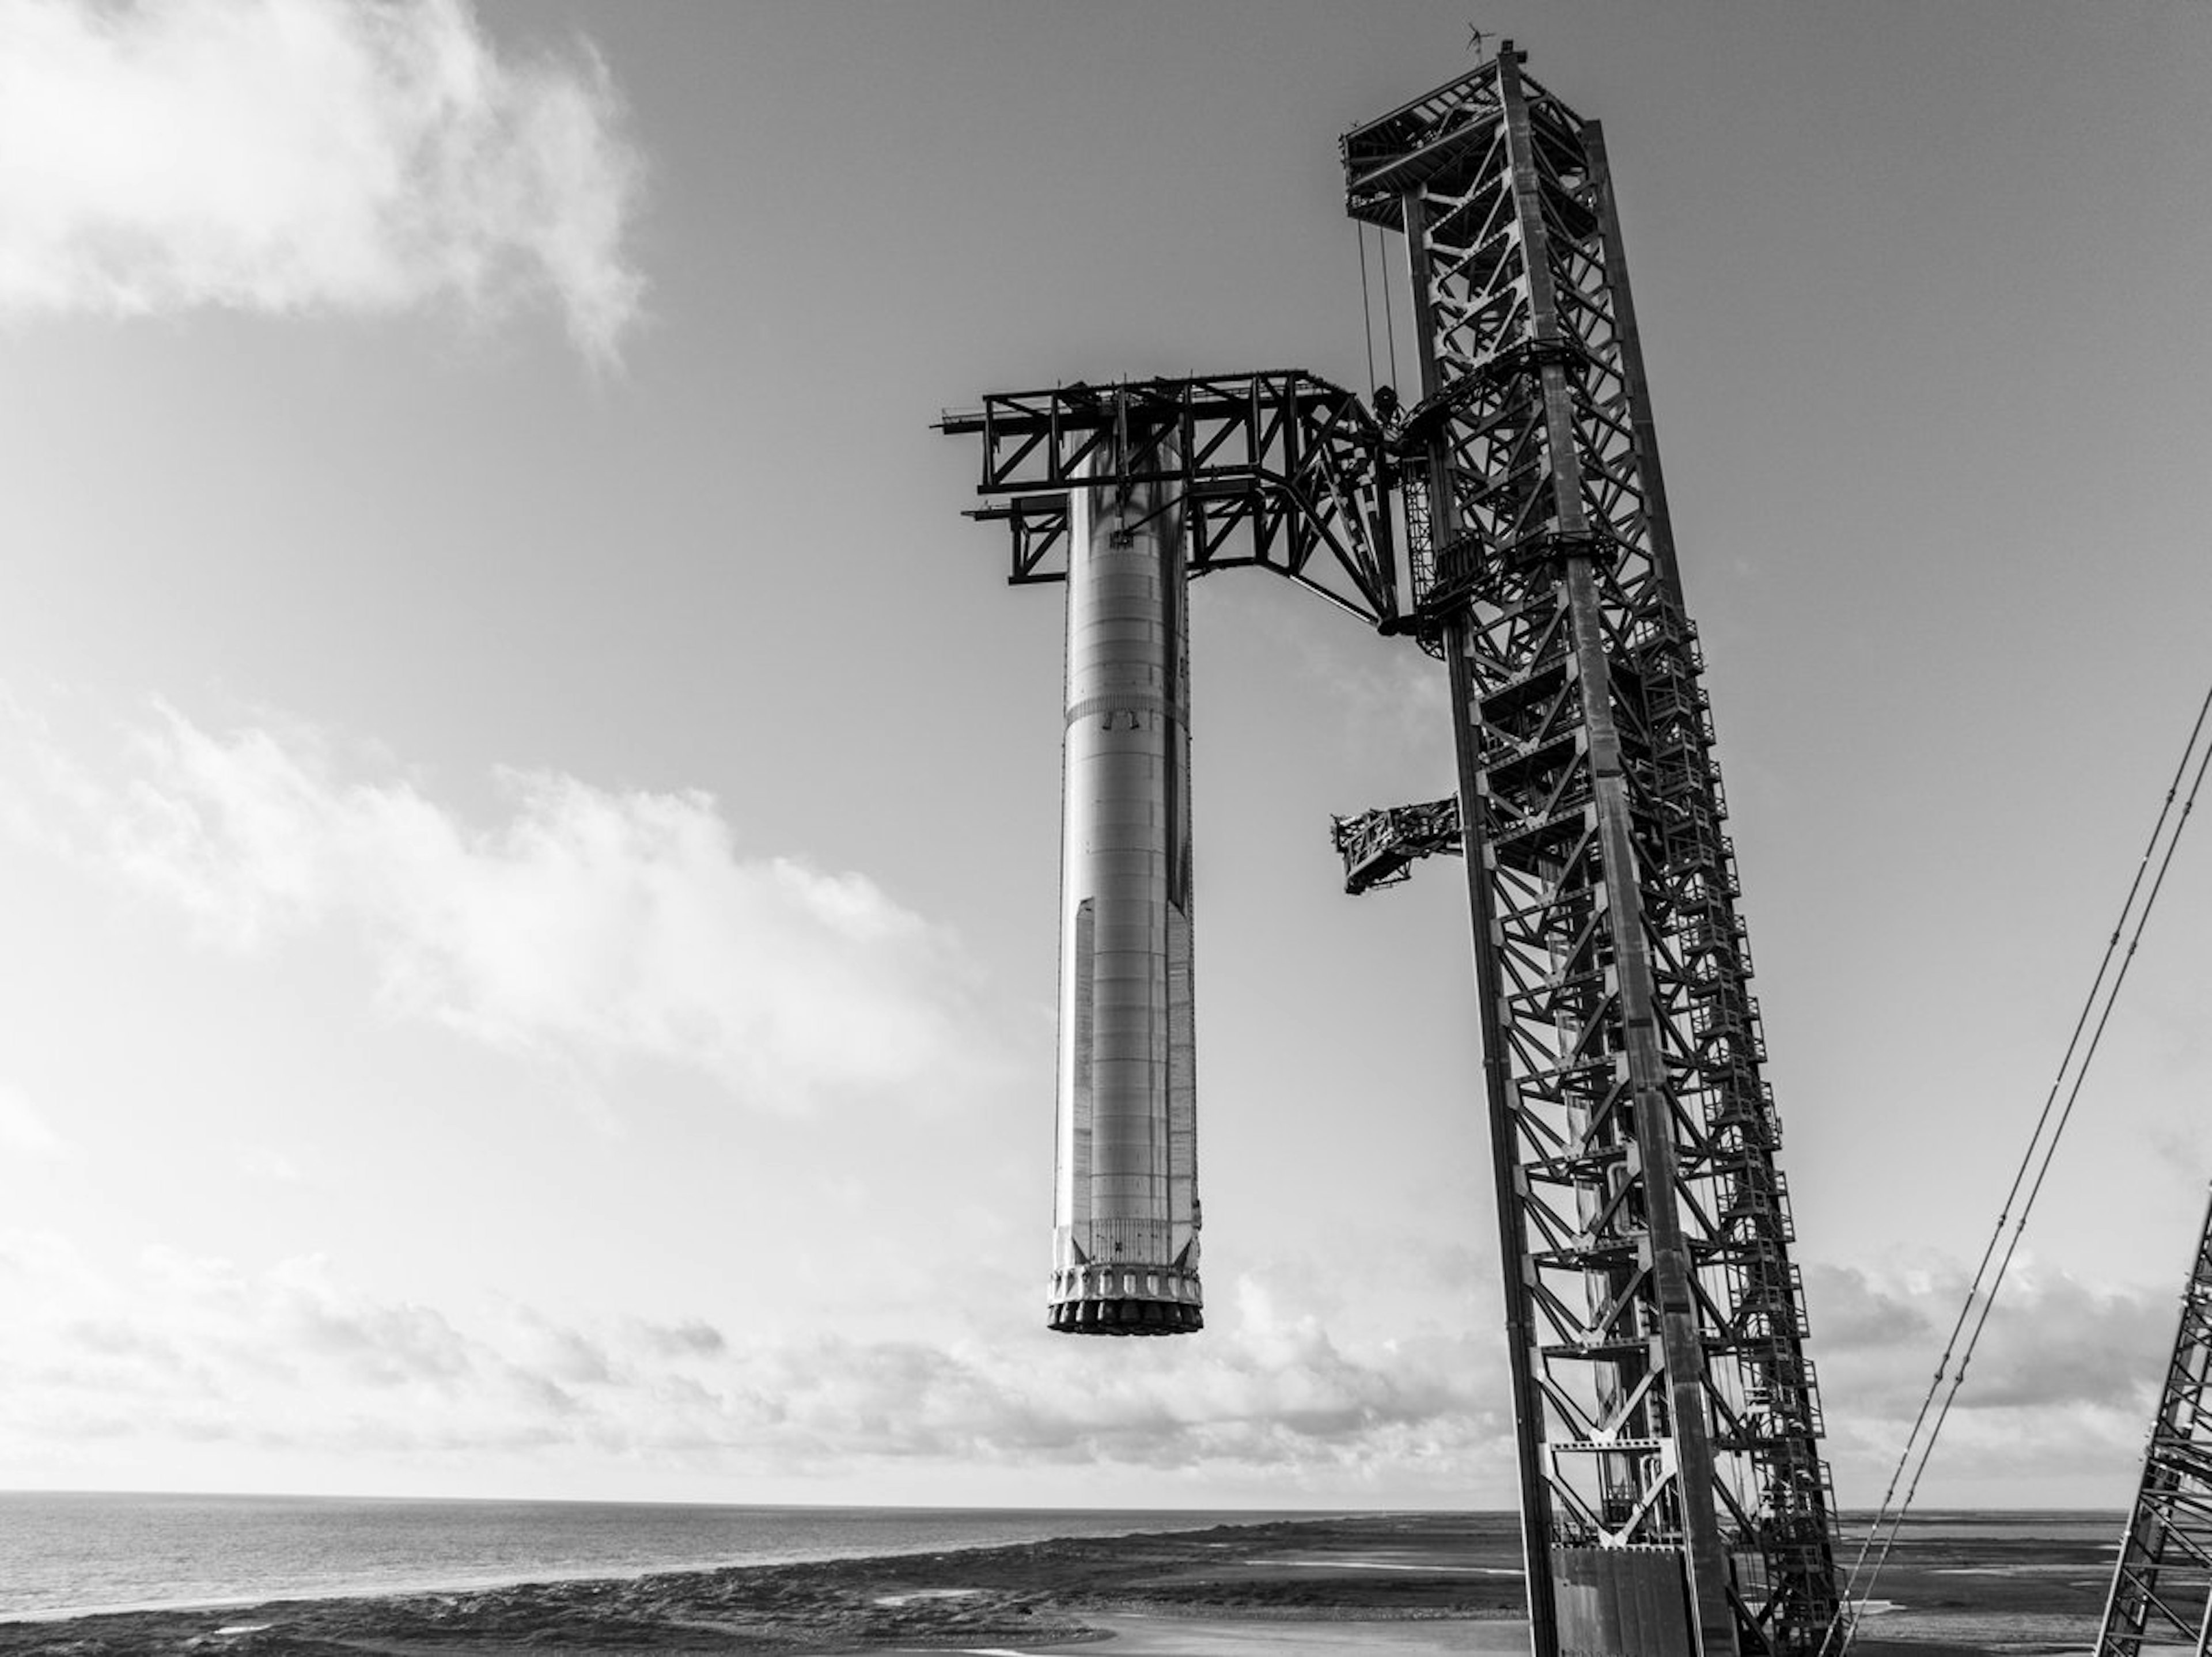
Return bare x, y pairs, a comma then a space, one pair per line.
1278, 471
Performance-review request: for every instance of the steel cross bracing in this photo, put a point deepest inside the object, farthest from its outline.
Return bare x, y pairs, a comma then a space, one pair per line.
2162, 1594
1379, 847
1279, 470
1674, 1495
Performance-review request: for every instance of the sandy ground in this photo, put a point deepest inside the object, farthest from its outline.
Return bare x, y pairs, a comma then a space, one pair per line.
1155, 1636
1133, 1635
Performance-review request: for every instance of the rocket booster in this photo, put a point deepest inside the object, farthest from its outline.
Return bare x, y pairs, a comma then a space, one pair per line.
1126, 1213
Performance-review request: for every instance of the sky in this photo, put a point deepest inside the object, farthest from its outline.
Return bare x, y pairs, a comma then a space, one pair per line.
529, 821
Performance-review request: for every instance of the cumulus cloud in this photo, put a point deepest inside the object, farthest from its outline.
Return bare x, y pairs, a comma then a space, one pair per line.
2065, 1367
23, 1131
2050, 1338
1273, 1399
305, 156
296, 1356
265, 1162
589, 926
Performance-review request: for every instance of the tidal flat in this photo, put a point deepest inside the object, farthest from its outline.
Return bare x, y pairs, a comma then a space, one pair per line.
1412, 1585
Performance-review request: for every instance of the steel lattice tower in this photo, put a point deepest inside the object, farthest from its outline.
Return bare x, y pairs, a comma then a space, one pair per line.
1673, 1500
1673, 1497
2161, 1596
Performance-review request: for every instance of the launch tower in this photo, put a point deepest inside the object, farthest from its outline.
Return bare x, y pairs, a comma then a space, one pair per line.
1673, 1497
1513, 520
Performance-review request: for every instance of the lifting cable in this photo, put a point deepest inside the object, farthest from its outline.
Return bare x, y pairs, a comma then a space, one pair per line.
1366, 310
1390, 328
2032, 1160
1367, 307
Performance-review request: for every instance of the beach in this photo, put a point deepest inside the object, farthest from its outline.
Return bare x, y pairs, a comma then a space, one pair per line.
1415, 1584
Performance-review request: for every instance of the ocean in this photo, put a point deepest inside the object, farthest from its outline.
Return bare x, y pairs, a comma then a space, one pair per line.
70, 1553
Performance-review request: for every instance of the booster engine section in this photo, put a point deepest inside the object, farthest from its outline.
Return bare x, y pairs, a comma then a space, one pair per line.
1125, 1214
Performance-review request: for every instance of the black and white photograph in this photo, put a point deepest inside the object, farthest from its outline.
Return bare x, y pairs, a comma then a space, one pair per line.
993, 826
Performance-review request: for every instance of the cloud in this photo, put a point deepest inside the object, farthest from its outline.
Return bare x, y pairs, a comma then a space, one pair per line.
296, 1356
2063, 1367
265, 1162
23, 1131
2050, 1338
694, 1336
590, 926
291, 157
1275, 1401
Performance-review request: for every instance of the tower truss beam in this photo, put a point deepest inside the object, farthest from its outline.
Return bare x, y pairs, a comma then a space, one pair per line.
1276, 470
1379, 847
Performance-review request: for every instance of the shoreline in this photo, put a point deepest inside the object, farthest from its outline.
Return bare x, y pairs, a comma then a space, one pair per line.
266, 1575
1332, 1568
1410, 1585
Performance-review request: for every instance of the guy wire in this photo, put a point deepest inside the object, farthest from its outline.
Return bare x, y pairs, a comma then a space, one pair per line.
2029, 1159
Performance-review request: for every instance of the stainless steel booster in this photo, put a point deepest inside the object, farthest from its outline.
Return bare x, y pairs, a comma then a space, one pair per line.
1126, 1211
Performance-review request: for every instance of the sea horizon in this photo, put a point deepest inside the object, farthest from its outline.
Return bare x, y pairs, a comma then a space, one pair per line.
67, 1553
151, 1491
1322, 1509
